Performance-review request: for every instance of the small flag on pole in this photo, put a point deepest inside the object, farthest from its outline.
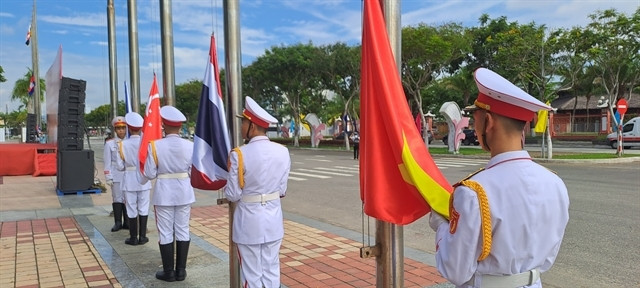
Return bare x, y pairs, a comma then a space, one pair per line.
211, 141
32, 84
28, 40
541, 124
152, 129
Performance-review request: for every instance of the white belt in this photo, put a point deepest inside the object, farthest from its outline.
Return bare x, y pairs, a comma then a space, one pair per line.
262, 198
173, 175
509, 281
132, 168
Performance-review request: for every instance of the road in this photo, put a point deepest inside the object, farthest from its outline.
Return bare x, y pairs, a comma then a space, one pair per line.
600, 248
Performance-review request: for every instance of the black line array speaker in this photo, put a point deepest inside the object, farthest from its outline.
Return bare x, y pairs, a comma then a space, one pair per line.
71, 114
75, 170
32, 129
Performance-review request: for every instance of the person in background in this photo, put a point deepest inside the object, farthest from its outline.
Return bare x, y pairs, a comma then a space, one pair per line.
136, 194
108, 135
169, 160
258, 174
113, 176
507, 221
356, 145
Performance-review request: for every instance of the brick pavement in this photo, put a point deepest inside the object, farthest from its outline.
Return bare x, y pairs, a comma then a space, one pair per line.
44, 243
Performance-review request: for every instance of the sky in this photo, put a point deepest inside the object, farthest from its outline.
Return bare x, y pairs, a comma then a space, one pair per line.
80, 27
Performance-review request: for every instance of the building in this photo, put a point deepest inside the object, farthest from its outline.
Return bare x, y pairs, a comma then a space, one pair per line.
585, 115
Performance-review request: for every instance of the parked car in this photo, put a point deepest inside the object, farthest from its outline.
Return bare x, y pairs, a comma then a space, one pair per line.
470, 138
630, 134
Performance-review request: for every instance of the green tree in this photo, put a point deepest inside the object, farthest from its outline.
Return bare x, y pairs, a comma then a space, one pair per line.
341, 75
20, 90
188, 99
2, 79
289, 71
616, 51
427, 53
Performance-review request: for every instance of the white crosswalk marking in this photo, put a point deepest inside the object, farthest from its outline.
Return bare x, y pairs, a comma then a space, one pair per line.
302, 174
354, 168
319, 160
324, 172
309, 175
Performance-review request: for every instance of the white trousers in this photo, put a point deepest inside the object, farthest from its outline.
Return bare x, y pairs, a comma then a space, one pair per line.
137, 203
173, 220
260, 264
116, 193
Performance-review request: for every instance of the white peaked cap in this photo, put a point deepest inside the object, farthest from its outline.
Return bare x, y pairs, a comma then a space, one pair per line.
134, 120
257, 114
171, 116
498, 95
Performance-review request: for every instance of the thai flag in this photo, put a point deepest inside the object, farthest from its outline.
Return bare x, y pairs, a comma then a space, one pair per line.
28, 36
211, 141
32, 84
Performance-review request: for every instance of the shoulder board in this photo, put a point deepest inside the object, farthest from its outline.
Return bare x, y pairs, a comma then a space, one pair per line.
468, 177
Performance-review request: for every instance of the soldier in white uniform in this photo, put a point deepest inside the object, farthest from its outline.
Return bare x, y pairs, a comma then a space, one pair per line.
113, 175
258, 174
136, 194
506, 221
169, 160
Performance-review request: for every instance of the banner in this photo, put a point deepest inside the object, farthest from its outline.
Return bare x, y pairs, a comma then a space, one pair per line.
152, 128
211, 145
399, 181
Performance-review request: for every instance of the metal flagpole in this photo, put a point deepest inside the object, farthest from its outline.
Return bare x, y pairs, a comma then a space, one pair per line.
233, 97
113, 58
389, 246
168, 72
134, 66
389, 237
34, 59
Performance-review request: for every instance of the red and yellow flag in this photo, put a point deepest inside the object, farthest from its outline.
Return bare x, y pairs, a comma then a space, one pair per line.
399, 181
152, 129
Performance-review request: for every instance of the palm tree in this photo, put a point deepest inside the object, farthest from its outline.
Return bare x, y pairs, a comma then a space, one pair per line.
2, 79
21, 89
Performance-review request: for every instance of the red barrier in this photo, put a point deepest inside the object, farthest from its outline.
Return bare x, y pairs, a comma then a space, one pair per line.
28, 159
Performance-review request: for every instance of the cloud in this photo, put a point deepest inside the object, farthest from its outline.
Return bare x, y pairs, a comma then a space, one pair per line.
89, 19
5, 14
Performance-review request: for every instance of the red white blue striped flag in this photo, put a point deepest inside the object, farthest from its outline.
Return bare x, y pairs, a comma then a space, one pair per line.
32, 84
211, 144
28, 36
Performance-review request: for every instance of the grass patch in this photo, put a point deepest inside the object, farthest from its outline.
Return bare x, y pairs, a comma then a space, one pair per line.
463, 151
591, 156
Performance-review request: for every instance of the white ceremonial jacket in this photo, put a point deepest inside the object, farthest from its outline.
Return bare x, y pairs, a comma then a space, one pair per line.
174, 158
110, 158
529, 212
129, 165
266, 170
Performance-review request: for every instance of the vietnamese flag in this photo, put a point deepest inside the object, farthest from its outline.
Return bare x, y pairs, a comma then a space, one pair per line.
152, 128
399, 181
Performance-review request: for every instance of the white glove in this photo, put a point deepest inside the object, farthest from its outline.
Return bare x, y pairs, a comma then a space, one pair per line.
435, 220
110, 182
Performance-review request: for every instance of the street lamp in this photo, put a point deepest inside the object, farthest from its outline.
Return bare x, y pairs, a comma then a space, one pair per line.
602, 102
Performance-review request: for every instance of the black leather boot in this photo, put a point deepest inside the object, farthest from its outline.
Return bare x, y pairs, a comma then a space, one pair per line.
133, 232
143, 230
125, 217
117, 216
182, 250
167, 273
